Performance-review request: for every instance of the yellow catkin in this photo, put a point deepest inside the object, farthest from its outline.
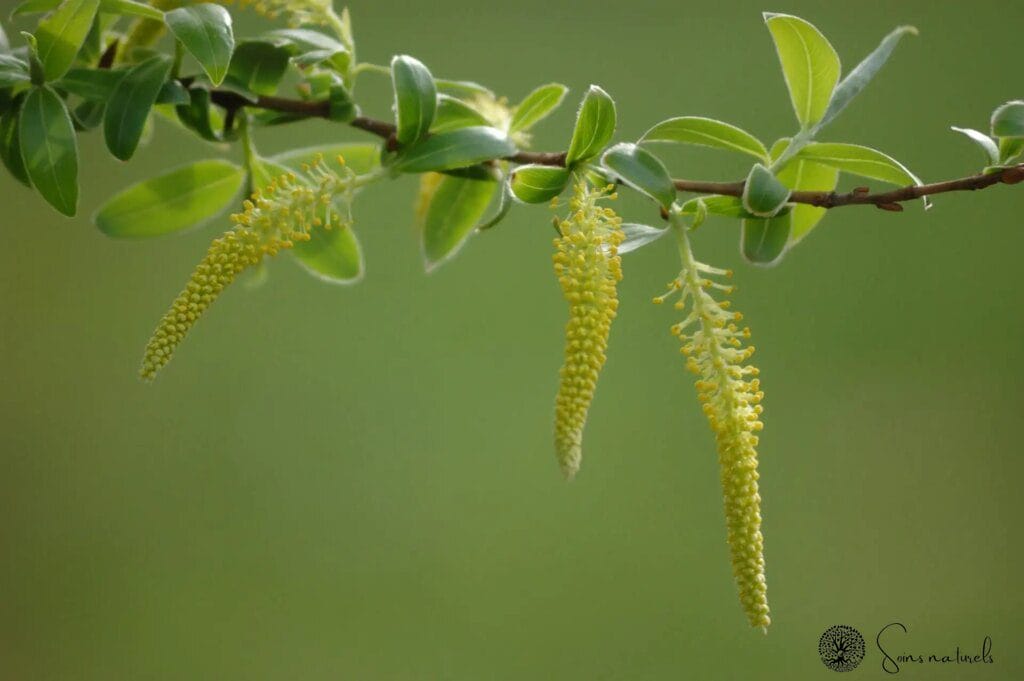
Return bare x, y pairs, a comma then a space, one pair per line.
273, 220
730, 394
588, 267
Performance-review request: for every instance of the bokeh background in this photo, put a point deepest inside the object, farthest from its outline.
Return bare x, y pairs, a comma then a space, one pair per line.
358, 483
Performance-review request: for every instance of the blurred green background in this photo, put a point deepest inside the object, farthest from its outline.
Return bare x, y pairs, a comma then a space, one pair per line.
358, 483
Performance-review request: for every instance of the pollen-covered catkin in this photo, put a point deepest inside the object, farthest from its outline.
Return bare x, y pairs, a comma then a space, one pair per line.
730, 393
277, 216
588, 268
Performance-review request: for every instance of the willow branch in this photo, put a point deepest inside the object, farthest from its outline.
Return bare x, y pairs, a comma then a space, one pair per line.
889, 200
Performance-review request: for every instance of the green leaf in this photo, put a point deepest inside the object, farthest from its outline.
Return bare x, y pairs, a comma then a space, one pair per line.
5, 44
706, 132
130, 104
415, 98
453, 114
131, 8
638, 236
537, 105
456, 207
726, 206
1008, 120
810, 65
455, 149
1010, 148
537, 183
987, 144
361, 158
763, 194
10, 142
595, 125
801, 175
183, 198
258, 66
312, 47
49, 149
641, 170
12, 71
763, 240
93, 84
205, 31
331, 255
61, 34
858, 79
861, 161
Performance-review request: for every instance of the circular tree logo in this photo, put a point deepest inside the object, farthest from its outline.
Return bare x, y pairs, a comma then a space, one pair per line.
841, 648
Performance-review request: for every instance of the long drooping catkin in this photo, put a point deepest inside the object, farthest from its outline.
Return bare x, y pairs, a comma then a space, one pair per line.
277, 216
730, 393
588, 268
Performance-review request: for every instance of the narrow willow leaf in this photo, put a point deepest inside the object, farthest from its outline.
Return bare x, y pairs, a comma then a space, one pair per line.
309, 47
453, 114
5, 43
10, 142
333, 256
706, 132
637, 236
131, 8
455, 149
862, 161
537, 183
810, 65
456, 207
181, 199
726, 206
415, 98
987, 144
12, 71
1010, 148
763, 194
130, 104
61, 34
258, 66
205, 31
641, 170
49, 149
537, 105
858, 79
94, 84
1008, 120
763, 240
361, 158
595, 125
462, 87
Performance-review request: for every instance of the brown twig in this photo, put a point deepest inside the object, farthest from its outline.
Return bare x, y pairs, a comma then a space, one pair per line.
889, 200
